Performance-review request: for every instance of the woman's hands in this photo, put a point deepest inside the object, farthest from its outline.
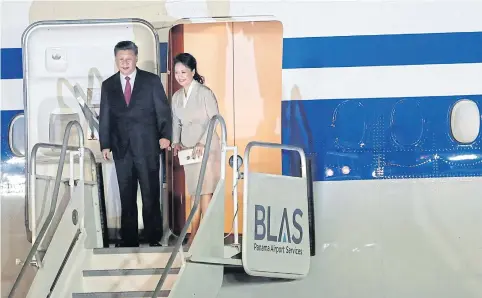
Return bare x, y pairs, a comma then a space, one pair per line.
198, 150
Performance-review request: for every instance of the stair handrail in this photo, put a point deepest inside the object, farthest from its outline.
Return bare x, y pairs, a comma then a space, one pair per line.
55, 194
77, 92
212, 125
33, 169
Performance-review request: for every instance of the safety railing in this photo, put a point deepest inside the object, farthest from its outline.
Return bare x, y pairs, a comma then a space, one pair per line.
90, 115
267, 145
82, 99
81, 149
195, 206
93, 73
33, 173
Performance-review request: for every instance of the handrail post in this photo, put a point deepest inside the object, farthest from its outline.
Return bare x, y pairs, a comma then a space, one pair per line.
234, 193
235, 196
273, 146
53, 205
182, 235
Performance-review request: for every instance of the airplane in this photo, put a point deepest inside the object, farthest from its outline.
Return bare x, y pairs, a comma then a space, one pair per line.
351, 146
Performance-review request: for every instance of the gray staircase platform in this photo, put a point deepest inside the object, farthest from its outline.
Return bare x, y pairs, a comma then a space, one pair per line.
129, 250
133, 294
125, 272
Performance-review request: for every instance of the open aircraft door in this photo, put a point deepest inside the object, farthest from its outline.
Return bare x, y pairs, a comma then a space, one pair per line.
241, 61
65, 63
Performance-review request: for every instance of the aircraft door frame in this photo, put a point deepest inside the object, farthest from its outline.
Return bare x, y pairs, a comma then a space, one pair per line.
26, 41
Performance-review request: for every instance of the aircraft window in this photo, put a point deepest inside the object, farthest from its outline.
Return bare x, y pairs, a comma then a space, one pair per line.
350, 124
407, 123
16, 135
465, 121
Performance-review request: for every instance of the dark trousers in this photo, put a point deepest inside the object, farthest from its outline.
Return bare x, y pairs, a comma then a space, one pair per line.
145, 169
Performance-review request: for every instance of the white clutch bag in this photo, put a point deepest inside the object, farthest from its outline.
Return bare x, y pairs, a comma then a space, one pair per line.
186, 157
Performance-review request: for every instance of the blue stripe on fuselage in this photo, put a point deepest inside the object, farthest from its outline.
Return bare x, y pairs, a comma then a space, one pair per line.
378, 138
382, 50
11, 62
342, 51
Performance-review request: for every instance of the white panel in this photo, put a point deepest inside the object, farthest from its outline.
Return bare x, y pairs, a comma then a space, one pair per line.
276, 238
11, 92
13, 21
386, 81
319, 18
392, 238
341, 18
465, 121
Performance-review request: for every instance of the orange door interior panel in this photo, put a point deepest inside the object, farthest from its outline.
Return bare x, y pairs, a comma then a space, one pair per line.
241, 63
257, 95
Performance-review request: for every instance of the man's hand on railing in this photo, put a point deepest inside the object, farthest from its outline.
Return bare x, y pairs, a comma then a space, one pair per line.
164, 143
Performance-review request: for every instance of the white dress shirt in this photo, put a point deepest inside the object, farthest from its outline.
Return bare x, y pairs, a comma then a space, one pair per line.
123, 80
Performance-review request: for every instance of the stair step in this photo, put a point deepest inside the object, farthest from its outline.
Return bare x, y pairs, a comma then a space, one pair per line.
124, 272
133, 258
131, 294
128, 250
122, 280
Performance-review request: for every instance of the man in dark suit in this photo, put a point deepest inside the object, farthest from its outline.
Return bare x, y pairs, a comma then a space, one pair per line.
135, 124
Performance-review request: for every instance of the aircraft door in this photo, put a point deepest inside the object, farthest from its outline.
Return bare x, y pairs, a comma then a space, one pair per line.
59, 55
241, 61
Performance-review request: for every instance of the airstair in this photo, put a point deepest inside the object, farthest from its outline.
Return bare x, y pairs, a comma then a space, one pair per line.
71, 258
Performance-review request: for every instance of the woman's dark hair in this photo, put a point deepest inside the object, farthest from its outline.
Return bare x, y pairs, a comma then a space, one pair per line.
190, 62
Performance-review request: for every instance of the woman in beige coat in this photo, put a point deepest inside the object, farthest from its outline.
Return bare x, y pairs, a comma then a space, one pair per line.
193, 106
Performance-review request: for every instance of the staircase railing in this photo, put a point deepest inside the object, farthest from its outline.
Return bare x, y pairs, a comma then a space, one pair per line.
56, 189
81, 98
178, 246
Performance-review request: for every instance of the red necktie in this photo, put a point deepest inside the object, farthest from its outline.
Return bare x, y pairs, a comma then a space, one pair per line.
128, 91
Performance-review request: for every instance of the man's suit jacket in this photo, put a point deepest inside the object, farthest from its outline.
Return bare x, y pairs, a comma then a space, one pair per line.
139, 125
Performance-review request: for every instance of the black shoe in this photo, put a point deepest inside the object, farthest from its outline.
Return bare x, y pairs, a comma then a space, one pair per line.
154, 244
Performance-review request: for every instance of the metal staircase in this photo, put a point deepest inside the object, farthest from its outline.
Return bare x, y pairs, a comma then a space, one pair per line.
74, 263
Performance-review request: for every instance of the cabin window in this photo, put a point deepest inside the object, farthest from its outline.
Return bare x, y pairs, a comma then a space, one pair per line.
407, 123
465, 121
16, 135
